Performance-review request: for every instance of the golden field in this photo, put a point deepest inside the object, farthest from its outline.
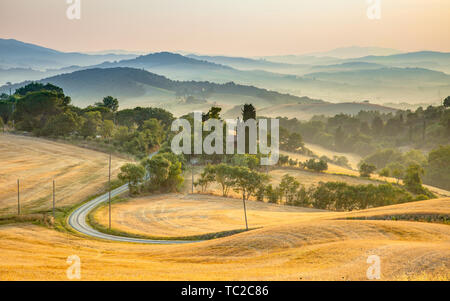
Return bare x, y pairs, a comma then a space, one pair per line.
174, 215
290, 243
79, 173
315, 246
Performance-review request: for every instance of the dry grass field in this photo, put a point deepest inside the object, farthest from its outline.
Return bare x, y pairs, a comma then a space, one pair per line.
290, 243
309, 178
318, 247
172, 215
353, 159
79, 173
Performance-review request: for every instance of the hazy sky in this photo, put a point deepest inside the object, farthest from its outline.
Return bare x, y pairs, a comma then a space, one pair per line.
232, 27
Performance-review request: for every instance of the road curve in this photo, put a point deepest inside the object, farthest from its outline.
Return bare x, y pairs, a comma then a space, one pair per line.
77, 220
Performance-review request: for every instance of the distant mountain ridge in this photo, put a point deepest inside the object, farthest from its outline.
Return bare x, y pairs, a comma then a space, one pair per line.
124, 82
161, 59
414, 77
355, 52
17, 54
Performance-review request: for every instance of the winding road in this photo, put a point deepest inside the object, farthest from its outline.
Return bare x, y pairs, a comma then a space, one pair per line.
77, 220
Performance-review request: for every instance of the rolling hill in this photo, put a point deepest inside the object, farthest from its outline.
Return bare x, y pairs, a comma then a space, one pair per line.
243, 63
87, 86
17, 54
306, 111
439, 61
415, 77
355, 51
407, 77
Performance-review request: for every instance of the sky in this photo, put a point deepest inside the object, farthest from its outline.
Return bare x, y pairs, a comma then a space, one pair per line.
228, 27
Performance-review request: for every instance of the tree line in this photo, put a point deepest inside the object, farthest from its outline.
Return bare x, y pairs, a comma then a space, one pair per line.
369, 130
44, 110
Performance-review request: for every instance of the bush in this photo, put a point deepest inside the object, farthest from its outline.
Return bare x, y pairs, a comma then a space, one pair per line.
318, 166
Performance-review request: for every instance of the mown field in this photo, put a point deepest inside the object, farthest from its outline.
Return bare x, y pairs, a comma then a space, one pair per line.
318, 246
79, 173
175, 215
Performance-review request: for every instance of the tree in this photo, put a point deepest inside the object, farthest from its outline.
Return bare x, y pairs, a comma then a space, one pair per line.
158, 168
413, 179
302, 197
206, 177
2, 124
247, 160
225, 177
107, 128
271, 194
248, 112
385, 172
35, 108
132, 174
447, 102
165, 171
339, 138
35, 87
248, 182
318, 166
62, 124
294, 142
437, 170
365, 170
213, 113
91, 124
377, 126
110, 103
289, 186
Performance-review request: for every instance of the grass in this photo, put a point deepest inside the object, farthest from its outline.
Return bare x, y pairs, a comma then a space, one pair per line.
190, 216
78, 172
288, 243
309, 248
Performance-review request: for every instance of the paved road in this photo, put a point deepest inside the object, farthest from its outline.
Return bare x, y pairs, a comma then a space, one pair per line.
77, 220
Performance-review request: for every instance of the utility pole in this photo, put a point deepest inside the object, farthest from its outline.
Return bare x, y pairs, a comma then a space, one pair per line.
109, 192
193, 162
18, 196
13, 110
245, 211
53, 198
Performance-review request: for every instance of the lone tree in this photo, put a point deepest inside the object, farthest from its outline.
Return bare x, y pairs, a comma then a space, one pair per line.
365, 170
248, 182
248, 112
447, 102
110, 103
